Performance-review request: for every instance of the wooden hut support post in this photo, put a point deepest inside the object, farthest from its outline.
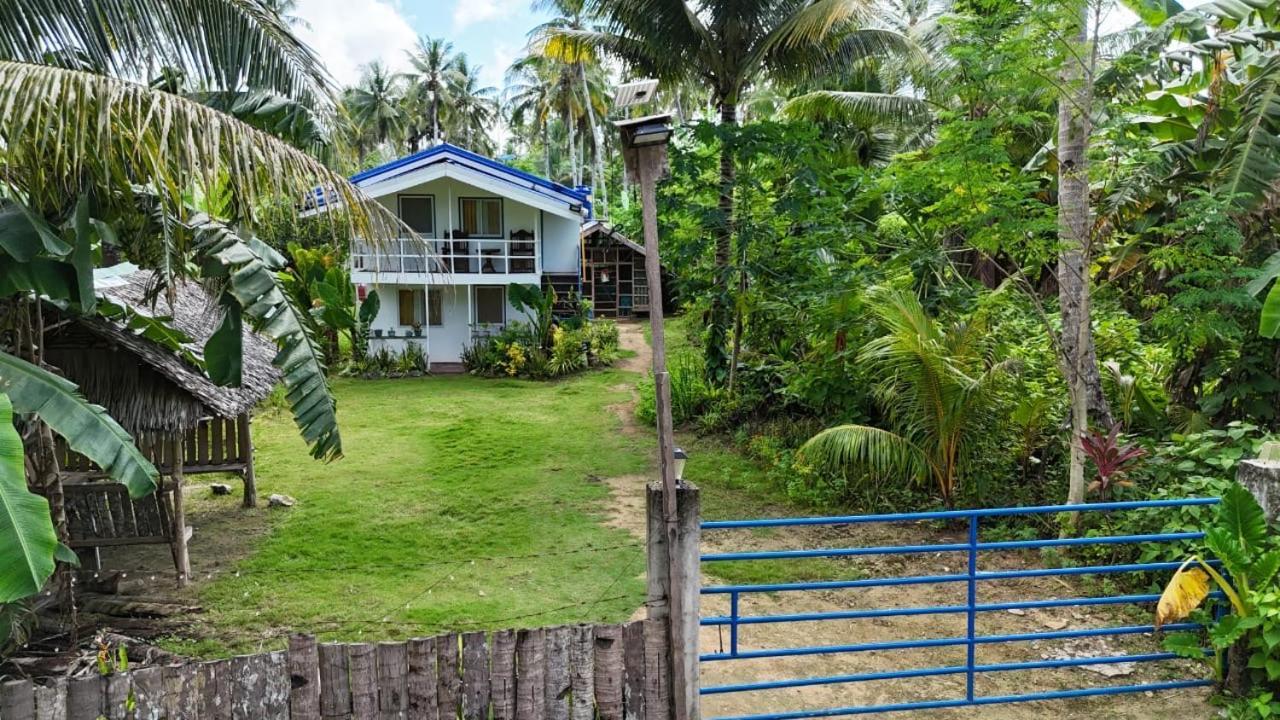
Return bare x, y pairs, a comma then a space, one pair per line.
180, 557
244, 436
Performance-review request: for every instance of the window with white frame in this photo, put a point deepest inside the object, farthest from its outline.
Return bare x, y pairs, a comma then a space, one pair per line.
481, 217
419, 213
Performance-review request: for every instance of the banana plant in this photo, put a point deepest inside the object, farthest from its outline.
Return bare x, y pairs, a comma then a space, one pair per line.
1239, 539
27, 538
539, 305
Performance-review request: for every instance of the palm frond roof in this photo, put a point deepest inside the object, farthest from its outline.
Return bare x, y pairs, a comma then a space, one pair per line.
146, 385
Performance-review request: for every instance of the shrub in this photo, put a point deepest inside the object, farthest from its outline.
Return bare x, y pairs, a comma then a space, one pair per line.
518, 352
691, 395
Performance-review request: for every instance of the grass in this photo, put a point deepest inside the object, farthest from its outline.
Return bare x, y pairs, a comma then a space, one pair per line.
461, 503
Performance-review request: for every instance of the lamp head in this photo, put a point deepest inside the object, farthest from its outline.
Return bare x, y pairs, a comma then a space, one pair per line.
678, 459
645, 131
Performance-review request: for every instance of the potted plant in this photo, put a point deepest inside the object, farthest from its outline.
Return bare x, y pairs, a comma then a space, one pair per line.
417, 330
391, 332
377, 332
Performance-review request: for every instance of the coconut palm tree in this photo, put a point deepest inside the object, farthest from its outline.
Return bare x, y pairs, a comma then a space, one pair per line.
375, 102
530, 99
550, 40
937, 390
475, 107
91, 156
434, 71
730, 46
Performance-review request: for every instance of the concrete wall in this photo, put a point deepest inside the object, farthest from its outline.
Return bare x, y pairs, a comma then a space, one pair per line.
560, 244
445, 341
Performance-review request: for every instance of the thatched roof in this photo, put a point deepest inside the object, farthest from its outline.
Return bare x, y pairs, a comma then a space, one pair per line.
596, 230
146, 386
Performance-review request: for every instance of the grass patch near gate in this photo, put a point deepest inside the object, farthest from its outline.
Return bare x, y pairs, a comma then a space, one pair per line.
462, 503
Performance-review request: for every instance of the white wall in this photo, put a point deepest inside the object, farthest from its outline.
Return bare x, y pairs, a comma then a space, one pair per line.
559, 244
446, 341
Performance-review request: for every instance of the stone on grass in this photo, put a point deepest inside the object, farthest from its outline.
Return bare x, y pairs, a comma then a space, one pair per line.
277, 500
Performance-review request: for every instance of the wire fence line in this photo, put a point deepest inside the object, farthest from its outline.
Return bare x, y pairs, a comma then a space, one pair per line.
316, 568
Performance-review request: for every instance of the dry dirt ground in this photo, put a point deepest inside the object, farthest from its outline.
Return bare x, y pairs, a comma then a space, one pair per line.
627, 512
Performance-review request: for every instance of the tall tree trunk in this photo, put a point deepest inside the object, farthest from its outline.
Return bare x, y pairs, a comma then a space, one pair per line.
626, 192
1075, 224
573, 152
719, 320
598, 184
435, 118
546, 148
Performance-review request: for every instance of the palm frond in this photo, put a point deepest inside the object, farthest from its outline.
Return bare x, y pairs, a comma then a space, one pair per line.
87, 428
866, 449
27, 537
222, 44
857, 108
254, 288
65, 131
813, 24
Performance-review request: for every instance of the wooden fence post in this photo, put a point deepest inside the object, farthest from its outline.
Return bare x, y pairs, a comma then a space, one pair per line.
680, 612
244, 437
304, 677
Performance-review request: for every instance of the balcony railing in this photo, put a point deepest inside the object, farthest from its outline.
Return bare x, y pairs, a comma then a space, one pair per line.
484, 256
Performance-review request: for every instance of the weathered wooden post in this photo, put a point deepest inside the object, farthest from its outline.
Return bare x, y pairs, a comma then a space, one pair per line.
180, 554
675, 595
244, 440
678, 605
1261, 476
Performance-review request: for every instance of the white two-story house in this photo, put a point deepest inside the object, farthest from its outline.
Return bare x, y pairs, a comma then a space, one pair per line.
486, 227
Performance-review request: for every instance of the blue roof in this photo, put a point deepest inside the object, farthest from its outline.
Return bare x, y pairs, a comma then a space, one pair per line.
495, 168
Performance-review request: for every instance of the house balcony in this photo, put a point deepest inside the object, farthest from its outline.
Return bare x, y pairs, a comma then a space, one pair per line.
471, 261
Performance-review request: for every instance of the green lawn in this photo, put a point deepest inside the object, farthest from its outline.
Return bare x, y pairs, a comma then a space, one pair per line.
461, 502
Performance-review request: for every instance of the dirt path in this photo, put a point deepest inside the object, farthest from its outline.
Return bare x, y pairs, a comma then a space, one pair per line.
627, 512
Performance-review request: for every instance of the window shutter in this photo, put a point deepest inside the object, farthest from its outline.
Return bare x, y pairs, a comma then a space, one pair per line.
406, 307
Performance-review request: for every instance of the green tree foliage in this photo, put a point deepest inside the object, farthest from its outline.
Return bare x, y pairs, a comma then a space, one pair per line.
937, 389
98, 165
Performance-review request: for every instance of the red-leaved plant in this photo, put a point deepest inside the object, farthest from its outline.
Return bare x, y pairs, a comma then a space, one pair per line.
1111, 459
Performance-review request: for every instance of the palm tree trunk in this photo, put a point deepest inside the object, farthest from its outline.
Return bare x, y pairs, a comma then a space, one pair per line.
1075, 224
598, 184
718, 325
435, 118
546, 148
573, 155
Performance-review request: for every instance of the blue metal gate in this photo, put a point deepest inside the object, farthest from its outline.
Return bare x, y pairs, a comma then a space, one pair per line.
973, 578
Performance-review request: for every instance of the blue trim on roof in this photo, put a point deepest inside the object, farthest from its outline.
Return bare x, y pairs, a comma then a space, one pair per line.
576, 195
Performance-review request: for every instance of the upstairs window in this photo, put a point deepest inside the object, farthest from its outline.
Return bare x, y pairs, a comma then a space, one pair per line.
419, 213
481, 217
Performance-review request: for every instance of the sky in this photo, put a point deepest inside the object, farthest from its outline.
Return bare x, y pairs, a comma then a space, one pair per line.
349, 33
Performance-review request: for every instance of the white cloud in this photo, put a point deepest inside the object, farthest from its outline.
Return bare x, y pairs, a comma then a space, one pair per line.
349, 33
471, 12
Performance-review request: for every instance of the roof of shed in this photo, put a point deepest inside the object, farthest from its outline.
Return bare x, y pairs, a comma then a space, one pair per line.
595, 227
193, 311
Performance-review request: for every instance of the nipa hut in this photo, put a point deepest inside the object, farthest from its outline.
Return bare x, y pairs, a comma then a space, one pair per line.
613, 274
181, 420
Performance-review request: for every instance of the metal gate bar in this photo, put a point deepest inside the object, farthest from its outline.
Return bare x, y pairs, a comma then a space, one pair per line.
972, 577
